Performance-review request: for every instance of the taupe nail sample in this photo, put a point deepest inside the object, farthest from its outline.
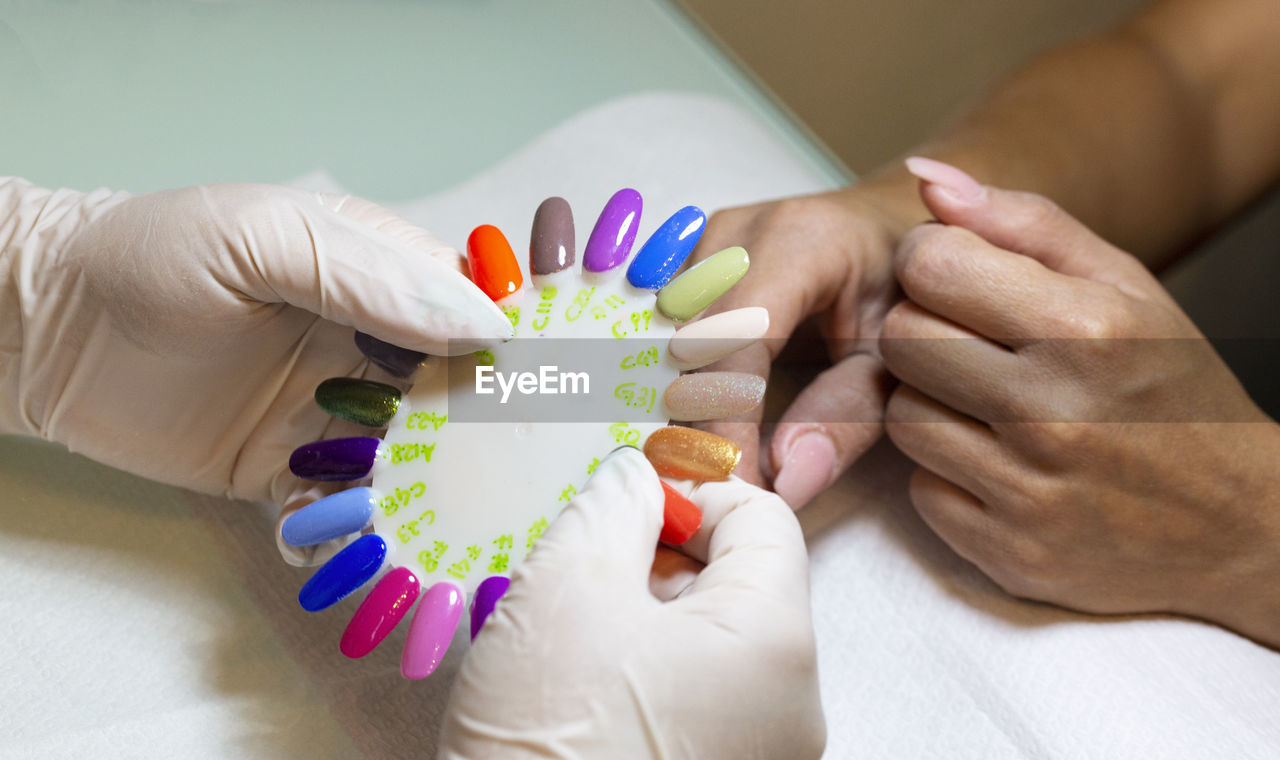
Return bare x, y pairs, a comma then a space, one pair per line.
551, 243
713, 395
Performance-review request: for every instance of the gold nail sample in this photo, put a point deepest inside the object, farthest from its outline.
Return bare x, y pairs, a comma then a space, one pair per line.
688, 454
712, 395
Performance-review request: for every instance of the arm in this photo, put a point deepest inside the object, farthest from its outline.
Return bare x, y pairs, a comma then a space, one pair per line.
1150, 134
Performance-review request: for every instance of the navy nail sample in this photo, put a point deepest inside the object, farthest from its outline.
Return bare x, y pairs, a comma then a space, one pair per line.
400, 362
335, 459
347, 571
332, 517
667, 248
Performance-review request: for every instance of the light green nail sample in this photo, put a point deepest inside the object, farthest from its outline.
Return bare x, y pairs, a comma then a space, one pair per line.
363, 402
698, 288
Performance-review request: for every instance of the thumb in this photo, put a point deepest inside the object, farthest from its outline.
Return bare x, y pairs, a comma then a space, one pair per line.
608, 532
1024, 223
286, 246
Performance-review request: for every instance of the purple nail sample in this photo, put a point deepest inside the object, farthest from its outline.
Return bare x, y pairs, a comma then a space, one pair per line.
400, 362
551, 242
488, 593
335, 459
614, 233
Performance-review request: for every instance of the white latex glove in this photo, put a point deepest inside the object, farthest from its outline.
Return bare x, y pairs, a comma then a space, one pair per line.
581, 660
180, 335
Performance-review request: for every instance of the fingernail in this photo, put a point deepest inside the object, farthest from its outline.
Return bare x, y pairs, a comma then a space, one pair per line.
615, 232
335, 459
955, 183
431, 631
380, 612
347, 571
712, 395
688, 454
700, 343
551, 242
681, 518
494, 268
332, 517
807, 470
699, 287
400, 362
487, 595
667, 248
363, 402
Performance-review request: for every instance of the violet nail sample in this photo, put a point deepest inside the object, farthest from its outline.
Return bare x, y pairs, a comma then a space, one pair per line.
487, 595
615, 232
335, 459
400, 362
551, 242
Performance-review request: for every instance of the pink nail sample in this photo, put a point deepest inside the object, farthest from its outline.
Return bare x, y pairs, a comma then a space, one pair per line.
431, 631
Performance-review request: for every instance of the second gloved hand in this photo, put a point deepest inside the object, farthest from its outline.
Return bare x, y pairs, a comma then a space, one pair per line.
580, 659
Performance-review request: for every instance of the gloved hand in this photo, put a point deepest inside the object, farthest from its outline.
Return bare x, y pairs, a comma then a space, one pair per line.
180, 335
581, 658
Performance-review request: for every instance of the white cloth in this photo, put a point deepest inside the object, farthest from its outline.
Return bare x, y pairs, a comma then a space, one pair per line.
143, 621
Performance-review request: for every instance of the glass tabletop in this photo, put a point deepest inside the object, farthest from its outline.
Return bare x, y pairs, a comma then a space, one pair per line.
396, 99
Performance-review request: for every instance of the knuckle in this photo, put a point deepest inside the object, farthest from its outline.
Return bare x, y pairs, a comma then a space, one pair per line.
1035, 211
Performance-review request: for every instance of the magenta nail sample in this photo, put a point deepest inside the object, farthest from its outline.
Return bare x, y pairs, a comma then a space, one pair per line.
615, 232
380, 612
431, 631
400, 362
551, 241
335, 459
488, 593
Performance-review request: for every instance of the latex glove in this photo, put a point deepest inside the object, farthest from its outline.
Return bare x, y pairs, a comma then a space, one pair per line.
180, 335
581, 660
827, 258
1078, 438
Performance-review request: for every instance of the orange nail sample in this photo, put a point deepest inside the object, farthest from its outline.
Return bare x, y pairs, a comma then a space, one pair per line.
681, 518
688, 454
494, 267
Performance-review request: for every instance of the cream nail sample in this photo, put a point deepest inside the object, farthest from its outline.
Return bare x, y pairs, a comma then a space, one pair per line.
700, 343
712, 395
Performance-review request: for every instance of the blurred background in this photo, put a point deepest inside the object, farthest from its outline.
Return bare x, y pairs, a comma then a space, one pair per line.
872, 77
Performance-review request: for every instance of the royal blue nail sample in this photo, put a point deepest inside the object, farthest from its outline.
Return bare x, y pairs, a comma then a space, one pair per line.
615, 232
400, 362
335, 459
332, 517
488, 593
347, 571
667, 248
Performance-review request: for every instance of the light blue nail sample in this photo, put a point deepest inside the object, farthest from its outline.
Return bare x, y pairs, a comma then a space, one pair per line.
332, 517
667, 248
347, 571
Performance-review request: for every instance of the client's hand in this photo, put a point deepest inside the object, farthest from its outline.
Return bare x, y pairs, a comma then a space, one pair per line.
1078, 438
